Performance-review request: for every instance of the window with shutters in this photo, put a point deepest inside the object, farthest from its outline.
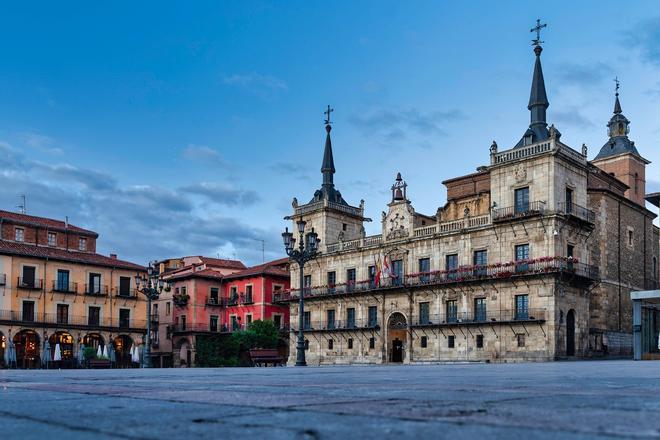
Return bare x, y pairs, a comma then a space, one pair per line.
452, 311
521, 196
373, 316
330, 314
62, 313
94, 316
350, 317
424, 318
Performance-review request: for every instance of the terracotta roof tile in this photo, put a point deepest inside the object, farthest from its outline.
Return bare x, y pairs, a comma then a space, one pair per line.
271, 268
30, 250
43, 222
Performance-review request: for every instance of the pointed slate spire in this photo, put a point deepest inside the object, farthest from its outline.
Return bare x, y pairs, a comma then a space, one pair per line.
538, 100
618, 128
617, 104
328, 165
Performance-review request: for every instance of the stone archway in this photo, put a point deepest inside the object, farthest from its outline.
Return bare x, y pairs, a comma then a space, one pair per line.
185, 354
27, 343
570, 333
65, 340
397, 335
93, 340
123, 345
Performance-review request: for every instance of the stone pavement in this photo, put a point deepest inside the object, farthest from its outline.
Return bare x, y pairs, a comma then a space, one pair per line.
599, 399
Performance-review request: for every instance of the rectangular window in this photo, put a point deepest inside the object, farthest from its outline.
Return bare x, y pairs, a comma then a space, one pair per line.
424, 341
248, 319
350, 343
520, 337
451, 341
213, 323
397, 272
307, 321
19, 234
480, 341
569, 200
350, 317
62, 282
94, 316
424, 269
630, 238
451, 264
277, 320
331, 319
28, 311
29, 277
350, 279
184, 290
522, 307
372, 276
521, 197
480, 261
522, 255
331, 344
332, 281
372, 343
235, 325
62, 313
214, 294
569, 255
424, 318
52, 239
307, 281
168, 308
183, 320
248, 295
82, 244
94, 286
452, 311
480, 309
373, 316
233, 295
125, 318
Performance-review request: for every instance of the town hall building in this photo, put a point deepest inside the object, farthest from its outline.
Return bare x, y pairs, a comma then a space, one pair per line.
532, 257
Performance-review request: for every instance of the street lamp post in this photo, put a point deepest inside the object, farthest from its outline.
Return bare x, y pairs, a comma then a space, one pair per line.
150, 286
307, 250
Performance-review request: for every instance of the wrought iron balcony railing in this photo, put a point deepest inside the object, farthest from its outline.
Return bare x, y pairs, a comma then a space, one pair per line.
30, 283
197, 328
97, 290
53, 319
469, 274
125, 293
577, 211
519, 211
62, 287
215, 301
337, 325
480, 317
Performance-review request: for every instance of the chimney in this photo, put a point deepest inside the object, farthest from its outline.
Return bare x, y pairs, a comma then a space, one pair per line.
113, 256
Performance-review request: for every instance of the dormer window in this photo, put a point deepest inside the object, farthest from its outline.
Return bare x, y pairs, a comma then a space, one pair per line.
52, 239
19, 234
82, 244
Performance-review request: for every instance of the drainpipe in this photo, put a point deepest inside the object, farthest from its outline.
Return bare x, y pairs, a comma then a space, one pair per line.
619, 260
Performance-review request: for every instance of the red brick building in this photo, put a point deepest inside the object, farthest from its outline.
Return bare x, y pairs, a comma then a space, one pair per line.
212, 295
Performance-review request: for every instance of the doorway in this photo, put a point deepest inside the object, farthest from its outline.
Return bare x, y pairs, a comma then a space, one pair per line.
397, 330
570, 333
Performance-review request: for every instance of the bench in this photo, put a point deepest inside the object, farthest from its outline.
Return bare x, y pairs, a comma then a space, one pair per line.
99, 363
264, 356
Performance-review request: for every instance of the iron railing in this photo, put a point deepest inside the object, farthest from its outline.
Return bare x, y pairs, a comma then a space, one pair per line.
62, 287
30, 283
215, 302
577, 211
480, 317
128, 294
338, 325
100, 290
469, 274
519, 211
16, 317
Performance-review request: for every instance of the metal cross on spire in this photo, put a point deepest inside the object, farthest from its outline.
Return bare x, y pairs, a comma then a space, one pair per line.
537, 29
327, 114
616, 89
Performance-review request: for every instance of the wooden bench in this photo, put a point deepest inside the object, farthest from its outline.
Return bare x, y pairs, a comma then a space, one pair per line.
264, 356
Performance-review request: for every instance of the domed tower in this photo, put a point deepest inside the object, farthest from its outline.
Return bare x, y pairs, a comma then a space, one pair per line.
619, 156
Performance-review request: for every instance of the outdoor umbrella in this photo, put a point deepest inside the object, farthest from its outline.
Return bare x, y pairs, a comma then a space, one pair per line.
7, 354
134, 354
99, 351
658, 340
46, 357
81, 354
58, 353
12, 353
105, 351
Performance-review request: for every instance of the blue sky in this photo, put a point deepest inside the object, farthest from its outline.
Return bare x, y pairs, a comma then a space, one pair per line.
177, 128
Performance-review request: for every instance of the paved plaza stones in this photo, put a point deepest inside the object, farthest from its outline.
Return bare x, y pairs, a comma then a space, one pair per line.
598, 399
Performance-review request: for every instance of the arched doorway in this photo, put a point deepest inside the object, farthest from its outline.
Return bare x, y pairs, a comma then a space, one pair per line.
66, 348
123, 345
397, 333
570, 333
185, 354
93, 340
27, 344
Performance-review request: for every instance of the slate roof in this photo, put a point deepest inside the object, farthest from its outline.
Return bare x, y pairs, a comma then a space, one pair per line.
43, 252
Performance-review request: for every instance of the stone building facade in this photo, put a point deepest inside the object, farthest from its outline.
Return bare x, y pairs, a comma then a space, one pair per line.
531, 258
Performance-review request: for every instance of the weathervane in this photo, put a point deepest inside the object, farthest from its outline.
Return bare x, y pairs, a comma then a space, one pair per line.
537, 29
616, 89
327, 113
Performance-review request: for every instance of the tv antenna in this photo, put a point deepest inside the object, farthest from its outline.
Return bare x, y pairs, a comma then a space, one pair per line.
23, 205
263, 249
